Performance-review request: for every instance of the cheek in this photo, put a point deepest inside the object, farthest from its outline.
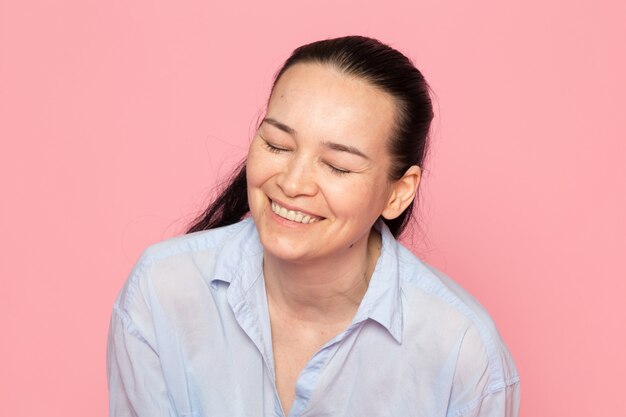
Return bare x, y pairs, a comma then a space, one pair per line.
256, 167
361, 201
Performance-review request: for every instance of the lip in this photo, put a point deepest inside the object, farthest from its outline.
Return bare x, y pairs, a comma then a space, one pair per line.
294, 208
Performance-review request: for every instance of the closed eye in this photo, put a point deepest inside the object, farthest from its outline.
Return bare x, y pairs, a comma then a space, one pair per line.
338, 171
273, 148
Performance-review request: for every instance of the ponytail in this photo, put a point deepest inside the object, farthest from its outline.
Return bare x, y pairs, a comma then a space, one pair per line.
230, 206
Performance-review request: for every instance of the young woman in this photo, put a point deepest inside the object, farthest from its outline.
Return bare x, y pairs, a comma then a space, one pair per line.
291, 296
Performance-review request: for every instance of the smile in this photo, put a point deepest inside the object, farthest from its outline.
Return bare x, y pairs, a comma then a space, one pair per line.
294, 216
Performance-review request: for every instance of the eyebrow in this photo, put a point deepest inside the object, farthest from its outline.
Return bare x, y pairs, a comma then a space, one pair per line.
330, 145
344, 148
280, 125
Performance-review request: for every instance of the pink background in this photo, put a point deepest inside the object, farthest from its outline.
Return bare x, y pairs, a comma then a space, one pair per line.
116, 118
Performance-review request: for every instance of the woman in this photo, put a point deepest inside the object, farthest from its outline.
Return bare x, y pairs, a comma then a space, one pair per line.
309, 306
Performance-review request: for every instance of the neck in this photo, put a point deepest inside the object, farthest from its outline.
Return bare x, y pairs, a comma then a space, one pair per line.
325, 290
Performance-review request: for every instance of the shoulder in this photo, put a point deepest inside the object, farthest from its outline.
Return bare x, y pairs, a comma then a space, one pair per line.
482, 360
173, 264
192, 242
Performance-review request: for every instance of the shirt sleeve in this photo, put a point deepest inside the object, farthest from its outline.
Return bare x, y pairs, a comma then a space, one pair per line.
486, 383
135, 377
502, 403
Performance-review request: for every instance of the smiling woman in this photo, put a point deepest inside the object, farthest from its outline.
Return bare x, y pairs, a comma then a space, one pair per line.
311, 306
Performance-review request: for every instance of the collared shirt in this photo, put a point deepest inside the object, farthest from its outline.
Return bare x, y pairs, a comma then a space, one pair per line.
190, 336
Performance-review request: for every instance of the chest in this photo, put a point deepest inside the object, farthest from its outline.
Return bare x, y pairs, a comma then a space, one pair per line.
366, 373
295, 345
239, 369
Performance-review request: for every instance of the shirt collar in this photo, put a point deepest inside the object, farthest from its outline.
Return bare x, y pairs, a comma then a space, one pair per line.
240, 260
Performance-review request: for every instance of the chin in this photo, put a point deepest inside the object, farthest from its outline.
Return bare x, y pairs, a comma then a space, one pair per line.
286, 249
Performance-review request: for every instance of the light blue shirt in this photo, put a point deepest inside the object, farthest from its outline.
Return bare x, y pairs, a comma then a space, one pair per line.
190, 336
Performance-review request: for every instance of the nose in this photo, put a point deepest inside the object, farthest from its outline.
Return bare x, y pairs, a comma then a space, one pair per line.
297, 178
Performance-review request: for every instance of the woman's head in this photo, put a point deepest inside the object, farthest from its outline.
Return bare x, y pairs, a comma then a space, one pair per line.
386, 70
393, 73
317, 168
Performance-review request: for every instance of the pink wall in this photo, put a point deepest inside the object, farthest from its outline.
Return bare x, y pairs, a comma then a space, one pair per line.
117, 116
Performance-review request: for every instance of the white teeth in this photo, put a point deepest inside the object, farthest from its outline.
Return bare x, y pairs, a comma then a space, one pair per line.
295, 216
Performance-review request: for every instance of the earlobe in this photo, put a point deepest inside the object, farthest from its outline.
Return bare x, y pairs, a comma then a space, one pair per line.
402, 193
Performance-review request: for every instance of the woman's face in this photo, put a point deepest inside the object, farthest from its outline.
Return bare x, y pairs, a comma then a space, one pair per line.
318, 165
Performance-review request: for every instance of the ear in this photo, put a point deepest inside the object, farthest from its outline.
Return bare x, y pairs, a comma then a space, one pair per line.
402, 193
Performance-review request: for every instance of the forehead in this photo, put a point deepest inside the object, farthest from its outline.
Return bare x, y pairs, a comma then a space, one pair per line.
321, 102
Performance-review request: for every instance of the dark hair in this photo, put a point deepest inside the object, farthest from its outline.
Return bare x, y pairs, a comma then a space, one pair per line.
385, 68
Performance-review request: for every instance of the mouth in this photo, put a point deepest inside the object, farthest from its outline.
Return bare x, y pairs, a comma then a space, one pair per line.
293, 215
